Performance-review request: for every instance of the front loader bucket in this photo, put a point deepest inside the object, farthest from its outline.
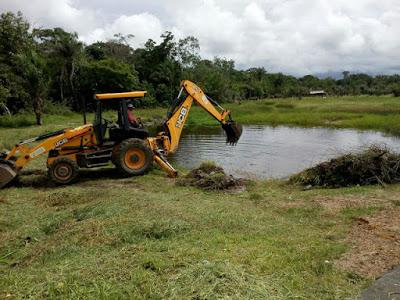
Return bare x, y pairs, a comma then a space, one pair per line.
7, 174
233, 131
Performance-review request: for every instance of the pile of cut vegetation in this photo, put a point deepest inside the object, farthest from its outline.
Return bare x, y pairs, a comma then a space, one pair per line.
209, 176
371, 166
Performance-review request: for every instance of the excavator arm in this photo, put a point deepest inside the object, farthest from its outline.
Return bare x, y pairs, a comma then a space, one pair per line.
179, 113
168, 141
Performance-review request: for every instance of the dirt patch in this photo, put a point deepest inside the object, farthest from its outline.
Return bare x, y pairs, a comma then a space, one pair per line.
33, 178
375, 165
210, 177
3, 200
336, 204
375, 244
33, 172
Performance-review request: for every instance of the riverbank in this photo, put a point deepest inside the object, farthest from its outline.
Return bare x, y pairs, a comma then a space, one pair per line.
146, 237
364, 112
360, 112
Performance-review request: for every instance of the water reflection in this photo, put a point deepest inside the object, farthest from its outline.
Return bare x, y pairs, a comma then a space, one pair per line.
266, 151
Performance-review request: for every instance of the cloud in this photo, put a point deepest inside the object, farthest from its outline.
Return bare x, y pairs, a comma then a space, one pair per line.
142, 26
53, 13
294, 36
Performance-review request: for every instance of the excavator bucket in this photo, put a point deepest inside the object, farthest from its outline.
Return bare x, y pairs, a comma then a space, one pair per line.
7, 174
233, 131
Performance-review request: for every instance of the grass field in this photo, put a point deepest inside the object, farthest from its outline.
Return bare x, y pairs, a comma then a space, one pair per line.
111, 238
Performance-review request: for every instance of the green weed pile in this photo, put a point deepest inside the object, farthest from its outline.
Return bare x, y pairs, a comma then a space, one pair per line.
208, 176
375, 165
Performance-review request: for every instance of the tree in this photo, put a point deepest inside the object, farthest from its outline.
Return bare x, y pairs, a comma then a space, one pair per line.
15, 41
63, 53
36, 82
117, 48
14, 34
217, 77
104, 76
159, 68
188, 52
4, 94
310, 82
396, 90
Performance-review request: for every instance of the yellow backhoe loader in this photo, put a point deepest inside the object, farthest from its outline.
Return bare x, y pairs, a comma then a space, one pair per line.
129, 148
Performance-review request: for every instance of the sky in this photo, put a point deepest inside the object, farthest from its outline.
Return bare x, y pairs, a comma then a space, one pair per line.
297, 37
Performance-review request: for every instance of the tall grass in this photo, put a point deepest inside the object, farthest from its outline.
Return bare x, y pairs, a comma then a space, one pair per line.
15, 121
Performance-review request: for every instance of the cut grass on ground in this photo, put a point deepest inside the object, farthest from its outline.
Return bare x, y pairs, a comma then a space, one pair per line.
145, 237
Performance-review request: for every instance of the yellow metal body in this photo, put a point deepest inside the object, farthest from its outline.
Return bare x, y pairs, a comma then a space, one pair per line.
135, 94
83, 135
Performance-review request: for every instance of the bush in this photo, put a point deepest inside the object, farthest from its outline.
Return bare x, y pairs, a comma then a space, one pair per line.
52, 108
396, 91
15, 121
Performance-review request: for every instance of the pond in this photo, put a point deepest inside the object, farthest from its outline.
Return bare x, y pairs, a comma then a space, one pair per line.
265, 151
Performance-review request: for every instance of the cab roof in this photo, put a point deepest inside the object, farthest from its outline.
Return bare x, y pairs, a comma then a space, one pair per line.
135, 94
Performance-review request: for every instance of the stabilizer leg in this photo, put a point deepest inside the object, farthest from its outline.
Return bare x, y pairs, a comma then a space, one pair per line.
166, 166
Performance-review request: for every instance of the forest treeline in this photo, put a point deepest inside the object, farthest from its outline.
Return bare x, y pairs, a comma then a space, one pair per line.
42, 68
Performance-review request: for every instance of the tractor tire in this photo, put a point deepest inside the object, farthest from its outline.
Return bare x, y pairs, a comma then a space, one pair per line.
132, 157
63, 171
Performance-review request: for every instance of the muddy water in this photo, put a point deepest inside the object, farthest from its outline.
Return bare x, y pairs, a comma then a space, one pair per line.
265, 151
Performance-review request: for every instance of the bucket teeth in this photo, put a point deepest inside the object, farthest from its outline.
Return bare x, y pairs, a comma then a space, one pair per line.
233, 132
7, 174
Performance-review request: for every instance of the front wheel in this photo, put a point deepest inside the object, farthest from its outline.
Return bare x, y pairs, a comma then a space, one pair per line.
63, 170
132, 157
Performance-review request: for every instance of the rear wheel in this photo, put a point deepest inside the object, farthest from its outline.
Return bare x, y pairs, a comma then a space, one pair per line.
132, 157
63, 170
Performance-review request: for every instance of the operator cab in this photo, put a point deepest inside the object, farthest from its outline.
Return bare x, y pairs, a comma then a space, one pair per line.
123, 128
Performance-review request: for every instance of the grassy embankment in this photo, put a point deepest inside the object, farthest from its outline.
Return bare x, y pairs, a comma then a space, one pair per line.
376, 113
107, 237
364, 112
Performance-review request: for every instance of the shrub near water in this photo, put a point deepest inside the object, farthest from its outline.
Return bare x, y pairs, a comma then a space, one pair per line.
373, 165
